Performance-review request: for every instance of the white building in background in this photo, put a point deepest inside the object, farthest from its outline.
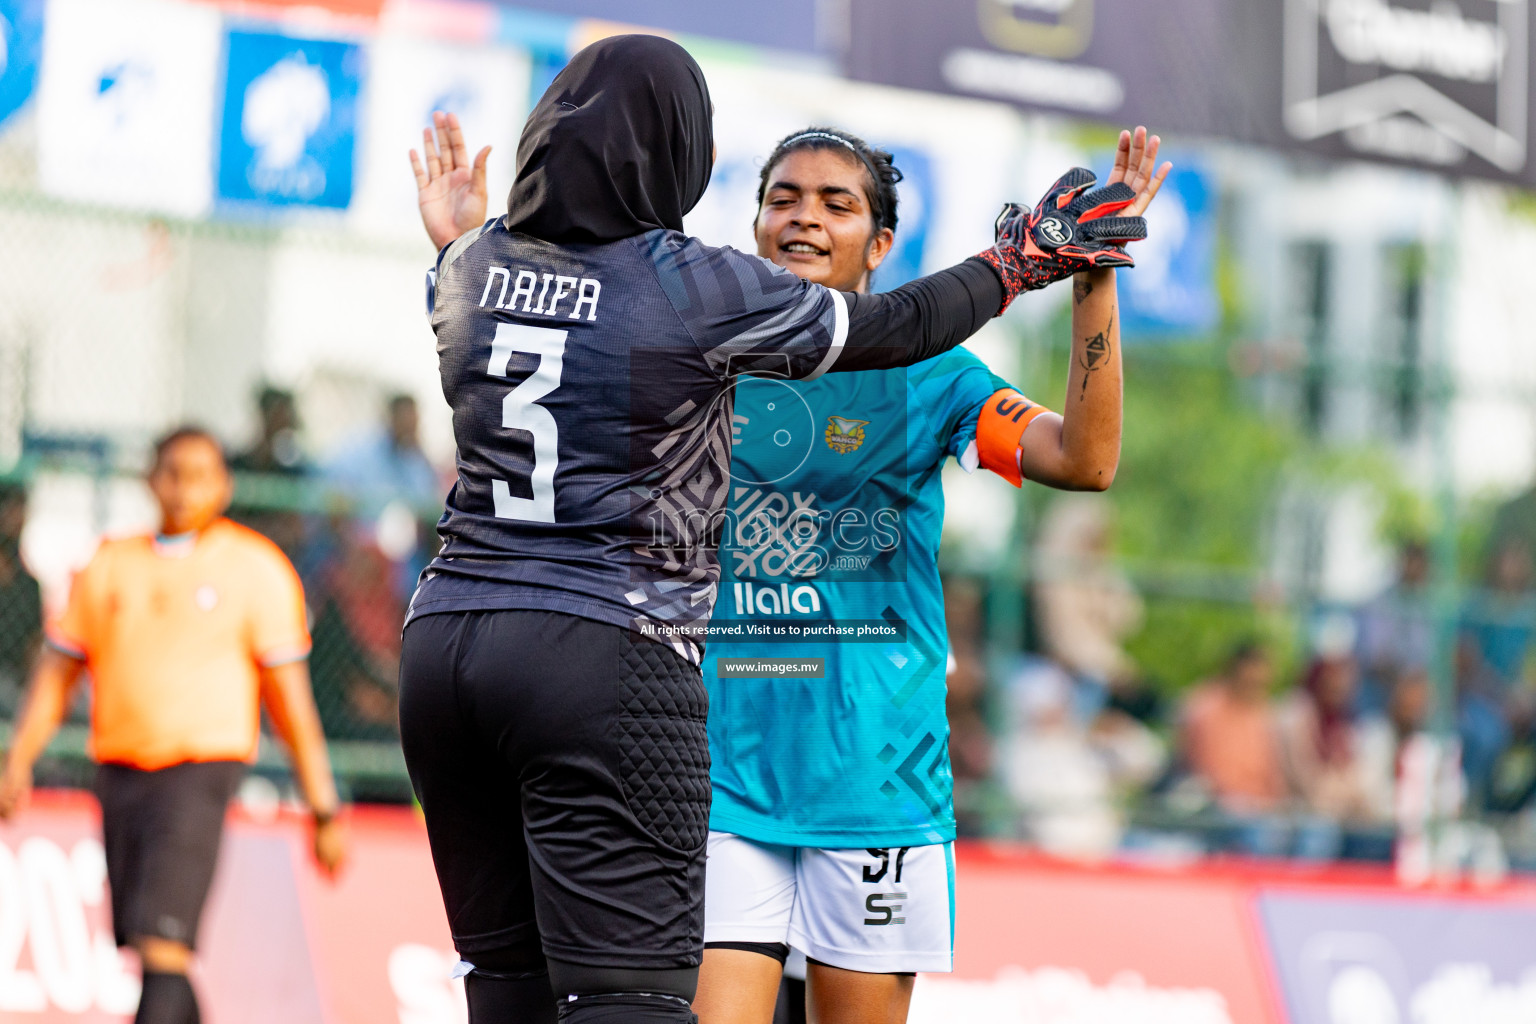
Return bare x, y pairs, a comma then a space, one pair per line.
1372, 292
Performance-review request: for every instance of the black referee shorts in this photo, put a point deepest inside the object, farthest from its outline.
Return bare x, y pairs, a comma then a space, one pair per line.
161, 830
563, 767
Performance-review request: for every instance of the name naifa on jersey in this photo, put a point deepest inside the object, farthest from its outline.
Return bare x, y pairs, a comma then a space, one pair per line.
541, 293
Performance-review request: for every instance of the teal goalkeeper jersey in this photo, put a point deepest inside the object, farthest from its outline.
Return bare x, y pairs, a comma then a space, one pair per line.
829, 551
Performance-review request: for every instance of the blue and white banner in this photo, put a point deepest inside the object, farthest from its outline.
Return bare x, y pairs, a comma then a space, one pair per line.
409, 78
289, 127
21, 44
1172, 290
125, 103
916, 200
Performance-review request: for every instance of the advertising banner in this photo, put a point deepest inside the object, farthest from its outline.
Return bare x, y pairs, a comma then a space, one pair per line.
917, 199
1437, 84
783, 25
21, 44
1120, 61
409, 78
278, 942
125, 103
1036, 945
1444, 86
1345, 959
1036, 941
290, 120
1173, 291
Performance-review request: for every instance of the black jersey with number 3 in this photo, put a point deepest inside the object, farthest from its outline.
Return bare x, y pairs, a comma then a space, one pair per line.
591, 396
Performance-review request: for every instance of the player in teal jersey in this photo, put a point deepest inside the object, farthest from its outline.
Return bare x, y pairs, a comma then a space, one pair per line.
832, 817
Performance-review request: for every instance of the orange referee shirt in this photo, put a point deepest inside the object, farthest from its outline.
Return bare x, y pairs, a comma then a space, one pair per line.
174, 637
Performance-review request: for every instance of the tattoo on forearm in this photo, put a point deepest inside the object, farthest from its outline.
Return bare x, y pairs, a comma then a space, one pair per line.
1096, 353
1081, 288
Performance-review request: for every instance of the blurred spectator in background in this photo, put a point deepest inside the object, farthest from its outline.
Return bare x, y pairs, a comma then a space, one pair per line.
1086, 608
266, 496
386, 464
1395, 630
1500, 620
1062, 790
277, 448
1229, 742
1070, 782
1318, 742
1495, 641
358, 611
1480, 723
1512, 782
21, 601
391, 486
1381, 740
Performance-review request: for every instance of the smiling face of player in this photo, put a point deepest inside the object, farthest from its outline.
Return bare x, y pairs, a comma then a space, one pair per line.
816, 219
191, 484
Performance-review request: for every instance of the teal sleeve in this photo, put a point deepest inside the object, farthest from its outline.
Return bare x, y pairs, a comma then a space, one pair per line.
951, 390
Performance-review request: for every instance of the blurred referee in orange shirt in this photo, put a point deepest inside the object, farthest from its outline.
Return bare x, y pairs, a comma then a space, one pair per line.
185, 634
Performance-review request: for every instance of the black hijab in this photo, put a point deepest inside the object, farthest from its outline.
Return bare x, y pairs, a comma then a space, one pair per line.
621, 143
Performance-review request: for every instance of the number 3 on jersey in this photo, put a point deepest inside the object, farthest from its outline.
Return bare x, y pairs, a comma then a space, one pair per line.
520, 411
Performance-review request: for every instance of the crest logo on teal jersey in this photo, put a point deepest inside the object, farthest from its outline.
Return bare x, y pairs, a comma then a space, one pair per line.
845, 435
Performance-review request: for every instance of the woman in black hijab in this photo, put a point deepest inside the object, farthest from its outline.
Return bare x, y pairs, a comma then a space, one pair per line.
621, 144
552, 711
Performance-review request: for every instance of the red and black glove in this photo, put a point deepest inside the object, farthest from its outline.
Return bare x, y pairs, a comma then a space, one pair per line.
1071, 229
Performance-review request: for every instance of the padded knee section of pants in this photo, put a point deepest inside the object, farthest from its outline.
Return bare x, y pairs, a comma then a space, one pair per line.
518, 961
510, 984
626, 1008
568, 979
494, 999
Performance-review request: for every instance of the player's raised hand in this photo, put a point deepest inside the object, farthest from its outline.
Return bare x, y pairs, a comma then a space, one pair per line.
450, 190
1136, 165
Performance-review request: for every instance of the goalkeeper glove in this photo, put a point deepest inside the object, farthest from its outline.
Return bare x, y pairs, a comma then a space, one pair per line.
1071, 229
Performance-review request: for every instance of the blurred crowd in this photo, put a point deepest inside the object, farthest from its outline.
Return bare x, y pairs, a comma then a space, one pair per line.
1086, 756
359, 527
357, 524
1070, 745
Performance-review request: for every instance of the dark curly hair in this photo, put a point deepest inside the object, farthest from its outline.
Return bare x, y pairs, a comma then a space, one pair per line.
883, 175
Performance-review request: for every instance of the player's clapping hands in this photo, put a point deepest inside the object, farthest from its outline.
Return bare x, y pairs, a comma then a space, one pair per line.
450, 190
1078, 225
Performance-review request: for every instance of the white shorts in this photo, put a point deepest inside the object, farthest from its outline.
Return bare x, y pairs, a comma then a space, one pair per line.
878, 911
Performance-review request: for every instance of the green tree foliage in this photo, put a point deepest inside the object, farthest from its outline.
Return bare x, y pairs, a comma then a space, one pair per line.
1200, 471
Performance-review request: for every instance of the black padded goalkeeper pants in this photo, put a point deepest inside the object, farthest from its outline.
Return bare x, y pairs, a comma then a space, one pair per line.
563, 768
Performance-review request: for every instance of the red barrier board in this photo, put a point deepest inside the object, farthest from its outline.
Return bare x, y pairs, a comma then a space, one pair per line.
1037, 941
1046, 943
1221, 942
279, 942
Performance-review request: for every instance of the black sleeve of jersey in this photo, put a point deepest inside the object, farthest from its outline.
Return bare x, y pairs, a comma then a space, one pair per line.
921, 319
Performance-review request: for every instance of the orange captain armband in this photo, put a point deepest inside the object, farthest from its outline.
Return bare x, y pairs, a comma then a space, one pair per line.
998, 430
